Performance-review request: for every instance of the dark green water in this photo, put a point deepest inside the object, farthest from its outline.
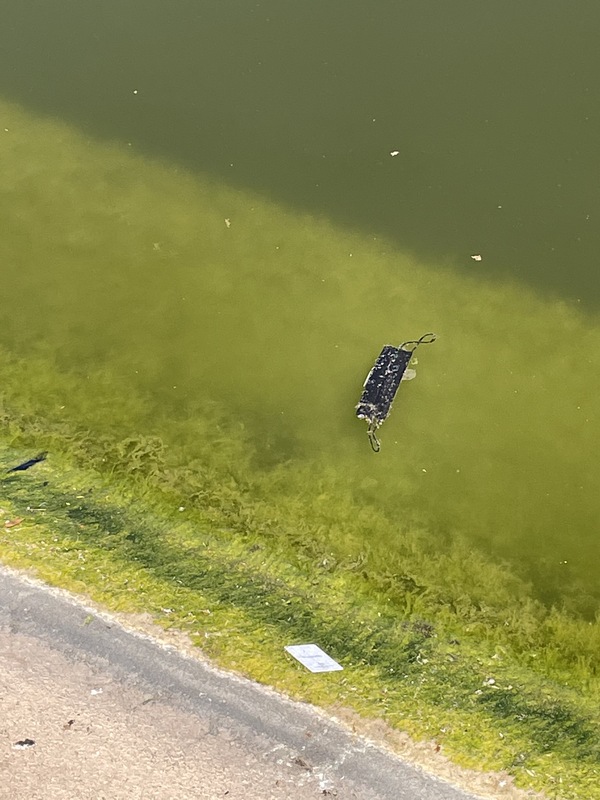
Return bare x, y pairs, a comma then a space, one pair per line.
145, 129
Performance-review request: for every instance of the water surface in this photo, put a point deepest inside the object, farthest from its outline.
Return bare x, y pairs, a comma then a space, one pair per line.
200, 203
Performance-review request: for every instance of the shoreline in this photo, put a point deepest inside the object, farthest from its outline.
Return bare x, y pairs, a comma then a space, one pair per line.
92, 545
422, 756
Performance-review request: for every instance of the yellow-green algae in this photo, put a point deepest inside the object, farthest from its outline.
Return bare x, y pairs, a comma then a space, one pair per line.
502, 684
119, 267
289, 530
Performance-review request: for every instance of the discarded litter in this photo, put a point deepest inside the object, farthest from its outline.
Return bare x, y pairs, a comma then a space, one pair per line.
28, 464
313, 658
23, 744
382, 382
476, 257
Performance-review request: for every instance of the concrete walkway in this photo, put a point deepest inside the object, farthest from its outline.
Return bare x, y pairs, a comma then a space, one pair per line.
115, 714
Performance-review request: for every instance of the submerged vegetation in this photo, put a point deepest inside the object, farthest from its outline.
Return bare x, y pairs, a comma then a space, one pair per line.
435, 639
204, 463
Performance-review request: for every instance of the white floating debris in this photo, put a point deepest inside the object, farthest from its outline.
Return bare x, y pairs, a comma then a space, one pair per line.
394, 153
313, 658
96, 691
476, 257
228, 223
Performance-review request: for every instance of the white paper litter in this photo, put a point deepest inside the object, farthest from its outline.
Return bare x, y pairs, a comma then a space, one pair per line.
313, 658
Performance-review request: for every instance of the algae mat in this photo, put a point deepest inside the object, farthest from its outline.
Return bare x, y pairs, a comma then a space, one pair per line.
190, 292
476, 686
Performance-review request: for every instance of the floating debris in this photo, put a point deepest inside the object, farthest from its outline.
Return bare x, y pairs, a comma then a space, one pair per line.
12, 523
30, 463
395, 153
382, 382
476, 257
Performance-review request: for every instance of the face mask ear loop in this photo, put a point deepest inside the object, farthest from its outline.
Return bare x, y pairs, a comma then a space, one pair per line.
373, 440
427, 338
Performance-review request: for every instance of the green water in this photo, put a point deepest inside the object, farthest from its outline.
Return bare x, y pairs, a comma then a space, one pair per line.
201, 208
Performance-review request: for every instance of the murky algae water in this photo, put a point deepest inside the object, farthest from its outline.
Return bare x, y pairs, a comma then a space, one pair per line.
139, 301
203, 349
